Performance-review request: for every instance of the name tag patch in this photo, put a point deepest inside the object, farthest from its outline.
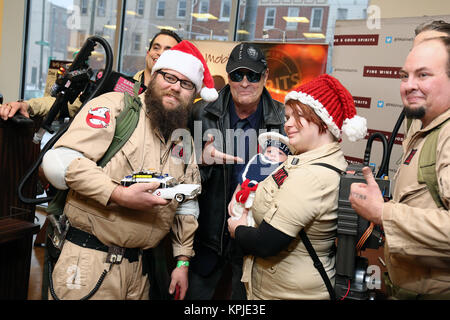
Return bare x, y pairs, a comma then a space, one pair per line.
410, 156
280, 176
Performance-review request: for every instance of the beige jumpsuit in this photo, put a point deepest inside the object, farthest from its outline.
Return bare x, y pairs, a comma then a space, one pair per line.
88, 207
306, 199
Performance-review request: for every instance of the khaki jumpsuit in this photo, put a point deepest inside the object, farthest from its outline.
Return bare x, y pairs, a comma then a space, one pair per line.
88, 207
304, 197
417, 248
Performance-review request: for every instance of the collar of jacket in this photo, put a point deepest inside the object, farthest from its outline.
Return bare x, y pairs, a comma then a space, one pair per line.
219, 108
437, 121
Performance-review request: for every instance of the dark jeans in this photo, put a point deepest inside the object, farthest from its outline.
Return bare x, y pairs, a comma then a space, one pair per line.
203, 287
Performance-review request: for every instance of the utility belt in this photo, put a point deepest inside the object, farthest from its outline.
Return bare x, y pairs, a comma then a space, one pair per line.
89, 241
397, 293
115, 254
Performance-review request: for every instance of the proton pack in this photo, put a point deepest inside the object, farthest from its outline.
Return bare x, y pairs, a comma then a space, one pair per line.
169, 188
355, 234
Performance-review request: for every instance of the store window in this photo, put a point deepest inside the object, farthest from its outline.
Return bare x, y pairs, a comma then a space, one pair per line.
57, 29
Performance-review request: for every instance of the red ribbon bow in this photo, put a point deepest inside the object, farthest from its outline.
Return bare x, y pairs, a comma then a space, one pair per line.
243, 194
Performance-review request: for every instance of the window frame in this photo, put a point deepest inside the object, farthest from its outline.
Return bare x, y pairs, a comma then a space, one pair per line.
266, 14
158, 3
311, 26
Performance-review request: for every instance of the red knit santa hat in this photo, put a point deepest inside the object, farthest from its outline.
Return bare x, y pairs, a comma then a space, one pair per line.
333, 104
186, 59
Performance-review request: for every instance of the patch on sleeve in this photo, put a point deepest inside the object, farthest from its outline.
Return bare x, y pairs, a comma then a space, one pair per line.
178, 151
280, 176
409, 157
98, 118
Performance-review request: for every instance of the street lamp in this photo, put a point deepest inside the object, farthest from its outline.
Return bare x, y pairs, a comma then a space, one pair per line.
266, 33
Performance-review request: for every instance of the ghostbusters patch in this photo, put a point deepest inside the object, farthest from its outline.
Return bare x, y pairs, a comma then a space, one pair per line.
280, 176
410, 156
98, 118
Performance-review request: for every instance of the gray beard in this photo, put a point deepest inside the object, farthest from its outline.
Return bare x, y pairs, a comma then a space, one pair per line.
416, 113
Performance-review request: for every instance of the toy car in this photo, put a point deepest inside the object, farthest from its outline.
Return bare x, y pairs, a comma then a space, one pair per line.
169, 188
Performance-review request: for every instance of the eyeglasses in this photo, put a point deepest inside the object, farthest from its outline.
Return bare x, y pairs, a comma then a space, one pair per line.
170, 78
238, 76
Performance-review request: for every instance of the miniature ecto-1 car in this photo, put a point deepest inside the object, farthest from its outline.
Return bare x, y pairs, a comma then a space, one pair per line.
169, 188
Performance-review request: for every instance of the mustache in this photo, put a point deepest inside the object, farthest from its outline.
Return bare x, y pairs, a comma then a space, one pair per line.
171, 93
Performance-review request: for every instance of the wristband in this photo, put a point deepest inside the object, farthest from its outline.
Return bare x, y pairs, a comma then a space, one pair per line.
181, 263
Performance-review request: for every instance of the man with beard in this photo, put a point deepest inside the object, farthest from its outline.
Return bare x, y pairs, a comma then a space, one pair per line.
416, 221
110, 225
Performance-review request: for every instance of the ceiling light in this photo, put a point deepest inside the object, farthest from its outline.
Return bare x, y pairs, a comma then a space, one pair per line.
314, 35
204, 16
167, 28
296, 19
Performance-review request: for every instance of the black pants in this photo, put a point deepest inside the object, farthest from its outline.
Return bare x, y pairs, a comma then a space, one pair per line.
203, 287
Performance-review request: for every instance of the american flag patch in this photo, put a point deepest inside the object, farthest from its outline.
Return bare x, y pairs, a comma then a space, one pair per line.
280, 176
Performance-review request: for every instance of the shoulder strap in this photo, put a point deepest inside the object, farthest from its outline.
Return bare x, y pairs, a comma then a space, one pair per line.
329, 166
126, 122
427, 164
318, 264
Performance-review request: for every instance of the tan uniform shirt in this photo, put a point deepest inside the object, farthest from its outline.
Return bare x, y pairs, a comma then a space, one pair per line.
417, 246
307, 199
87, 205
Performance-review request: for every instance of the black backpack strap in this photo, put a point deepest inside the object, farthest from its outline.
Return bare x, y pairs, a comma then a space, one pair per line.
317, 264
329, 166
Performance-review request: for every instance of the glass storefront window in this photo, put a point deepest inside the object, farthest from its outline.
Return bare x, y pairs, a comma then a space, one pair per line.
192, 20
57, 29
295, 21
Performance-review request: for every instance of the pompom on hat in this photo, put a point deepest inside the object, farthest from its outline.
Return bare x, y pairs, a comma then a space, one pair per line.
332, 102
186, 59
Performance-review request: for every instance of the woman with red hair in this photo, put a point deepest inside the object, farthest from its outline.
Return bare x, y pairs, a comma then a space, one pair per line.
300, 195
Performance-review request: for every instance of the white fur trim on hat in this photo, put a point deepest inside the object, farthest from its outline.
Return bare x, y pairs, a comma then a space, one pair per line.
184, 63
318, 108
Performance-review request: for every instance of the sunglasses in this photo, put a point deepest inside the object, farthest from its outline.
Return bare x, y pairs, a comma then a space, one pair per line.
238, 76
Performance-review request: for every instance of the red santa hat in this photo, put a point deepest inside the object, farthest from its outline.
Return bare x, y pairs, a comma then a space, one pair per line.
332, 102
186, 59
